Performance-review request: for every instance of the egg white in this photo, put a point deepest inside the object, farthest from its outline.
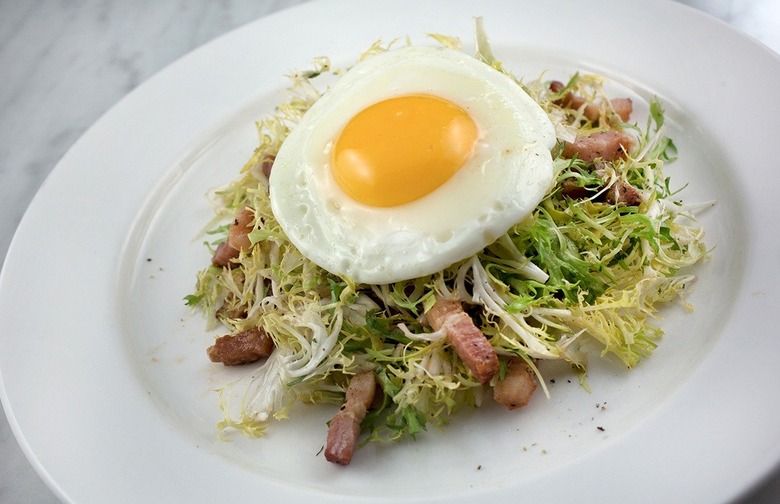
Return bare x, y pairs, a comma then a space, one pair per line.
508, 174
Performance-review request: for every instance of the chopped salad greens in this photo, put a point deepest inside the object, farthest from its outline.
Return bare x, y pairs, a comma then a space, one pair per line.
579, 271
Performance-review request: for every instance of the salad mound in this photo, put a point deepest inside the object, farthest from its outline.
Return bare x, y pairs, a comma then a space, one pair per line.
607, 247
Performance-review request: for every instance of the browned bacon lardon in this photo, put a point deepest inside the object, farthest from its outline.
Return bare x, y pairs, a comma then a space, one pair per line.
611, 191
605, 145
242, 348
266, 165
573, 101
571, 188
238, 238
238, 235
623, 107
469, 342
517, 387
223, 255
623, 192
344, 429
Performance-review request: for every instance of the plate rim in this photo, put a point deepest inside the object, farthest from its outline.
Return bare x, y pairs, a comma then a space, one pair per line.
13, 259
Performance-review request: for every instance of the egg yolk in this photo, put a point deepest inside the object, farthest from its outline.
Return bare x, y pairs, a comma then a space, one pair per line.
401, 149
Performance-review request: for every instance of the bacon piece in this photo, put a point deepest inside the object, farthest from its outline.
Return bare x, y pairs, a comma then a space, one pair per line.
344, 429
556, 86
572, 189
238, 239
223, 255
618, 191
574, 102
622, 107
623, 192
592, 111
238, 234
605, 145
470, 344
267, 165
242, 348
517, 387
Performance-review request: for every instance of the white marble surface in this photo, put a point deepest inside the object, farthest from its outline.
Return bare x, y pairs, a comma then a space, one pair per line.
65, 63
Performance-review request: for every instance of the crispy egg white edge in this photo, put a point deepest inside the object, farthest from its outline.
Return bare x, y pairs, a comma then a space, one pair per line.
468, 212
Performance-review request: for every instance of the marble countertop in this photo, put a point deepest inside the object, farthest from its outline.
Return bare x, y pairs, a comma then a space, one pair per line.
63, 64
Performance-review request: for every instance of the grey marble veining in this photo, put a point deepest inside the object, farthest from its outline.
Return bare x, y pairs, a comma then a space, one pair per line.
63, 64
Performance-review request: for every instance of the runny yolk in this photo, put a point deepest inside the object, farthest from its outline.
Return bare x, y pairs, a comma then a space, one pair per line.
401, 149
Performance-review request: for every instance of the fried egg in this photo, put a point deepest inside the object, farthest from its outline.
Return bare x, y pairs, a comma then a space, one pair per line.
415, 159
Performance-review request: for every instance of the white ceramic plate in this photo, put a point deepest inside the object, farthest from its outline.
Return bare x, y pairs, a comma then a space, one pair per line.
104, 376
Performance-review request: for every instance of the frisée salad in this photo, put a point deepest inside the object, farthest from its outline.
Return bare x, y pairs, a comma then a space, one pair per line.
608, 244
